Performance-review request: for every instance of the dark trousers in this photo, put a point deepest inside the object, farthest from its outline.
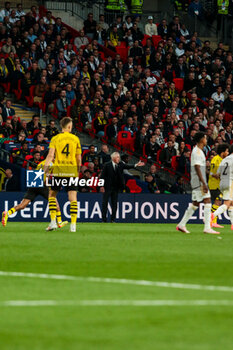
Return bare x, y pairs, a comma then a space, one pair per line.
114, 196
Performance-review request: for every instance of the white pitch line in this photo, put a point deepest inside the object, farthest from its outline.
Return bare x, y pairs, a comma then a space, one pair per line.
119, 281
36, 303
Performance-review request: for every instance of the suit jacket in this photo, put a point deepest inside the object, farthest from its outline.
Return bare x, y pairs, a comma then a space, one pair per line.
11, 185
114, 179
111, 131
5, 115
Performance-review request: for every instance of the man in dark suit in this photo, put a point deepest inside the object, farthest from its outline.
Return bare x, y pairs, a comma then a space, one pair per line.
7, 111
10, 182
113, 129
114, 182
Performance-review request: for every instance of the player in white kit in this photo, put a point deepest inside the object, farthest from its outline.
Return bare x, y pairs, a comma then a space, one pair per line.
200, 190
225, 172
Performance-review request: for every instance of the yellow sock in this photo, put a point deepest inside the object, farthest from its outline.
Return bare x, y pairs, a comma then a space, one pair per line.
58, 215
52, 208
213, 209
73, 211
11, 211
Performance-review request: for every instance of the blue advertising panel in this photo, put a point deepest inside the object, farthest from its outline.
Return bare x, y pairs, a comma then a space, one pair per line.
136, 208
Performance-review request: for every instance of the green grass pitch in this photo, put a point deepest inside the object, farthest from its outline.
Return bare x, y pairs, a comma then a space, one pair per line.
143, 252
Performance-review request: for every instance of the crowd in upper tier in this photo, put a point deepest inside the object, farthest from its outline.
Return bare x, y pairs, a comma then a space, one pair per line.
156, 84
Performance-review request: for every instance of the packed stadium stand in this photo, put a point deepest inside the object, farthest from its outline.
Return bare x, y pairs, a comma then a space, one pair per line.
143, 90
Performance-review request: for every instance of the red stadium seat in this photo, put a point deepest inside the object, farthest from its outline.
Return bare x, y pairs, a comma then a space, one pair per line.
18, 91
156, 39
179, 84
55, 110
85, 152
133, 187
29, 98
145, 39
174, 162
6, 86
68, 111
125, 140
122, 50
158, 156
26, 159
228, 117
105, 137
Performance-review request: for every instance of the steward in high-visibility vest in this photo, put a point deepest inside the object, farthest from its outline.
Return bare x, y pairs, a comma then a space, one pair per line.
122, 5
223, 7
116, 5
178, 5
113, 5
136, 6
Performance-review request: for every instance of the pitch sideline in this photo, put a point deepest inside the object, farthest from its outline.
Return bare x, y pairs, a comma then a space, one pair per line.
118, 281
138, 303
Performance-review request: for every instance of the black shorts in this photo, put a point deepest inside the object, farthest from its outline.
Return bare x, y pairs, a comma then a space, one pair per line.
215, 194
32, 193
57, 187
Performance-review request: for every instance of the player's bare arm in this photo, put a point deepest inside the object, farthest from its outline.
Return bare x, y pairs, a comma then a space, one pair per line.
199, 174
79, 161
48, 160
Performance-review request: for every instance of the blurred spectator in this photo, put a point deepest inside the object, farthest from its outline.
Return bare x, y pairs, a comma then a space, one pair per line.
184, 162
48, 18
141, 139
86, 176
196, 9
15, 124
228, 103
7, 110
81, 40
10, 183
7, 129
90, 26
3, 71
177, 187
86, 118
33, 163
167, 154
102, 24
6, 11
152, 148
150, 27
20, 154
100, 123
152, 186
39, 139
89, 156
104, 155
8, 47
218, 95
34, 124
113, 129
62, 103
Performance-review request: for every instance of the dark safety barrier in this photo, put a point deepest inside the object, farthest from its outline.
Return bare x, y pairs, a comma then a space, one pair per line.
135, 208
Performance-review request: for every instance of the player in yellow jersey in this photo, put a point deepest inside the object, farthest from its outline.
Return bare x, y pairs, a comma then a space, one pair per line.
66, 149
214, 181
30, 196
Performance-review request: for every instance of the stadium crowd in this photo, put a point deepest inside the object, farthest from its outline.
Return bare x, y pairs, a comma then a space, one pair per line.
149, 89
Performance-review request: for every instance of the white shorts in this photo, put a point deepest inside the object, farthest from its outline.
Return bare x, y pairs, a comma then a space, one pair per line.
198, 195
227, 194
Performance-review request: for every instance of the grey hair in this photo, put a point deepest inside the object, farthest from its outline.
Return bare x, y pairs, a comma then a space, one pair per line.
115, 154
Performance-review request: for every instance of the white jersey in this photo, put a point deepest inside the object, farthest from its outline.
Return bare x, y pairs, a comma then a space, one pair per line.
197, 158
225, 171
